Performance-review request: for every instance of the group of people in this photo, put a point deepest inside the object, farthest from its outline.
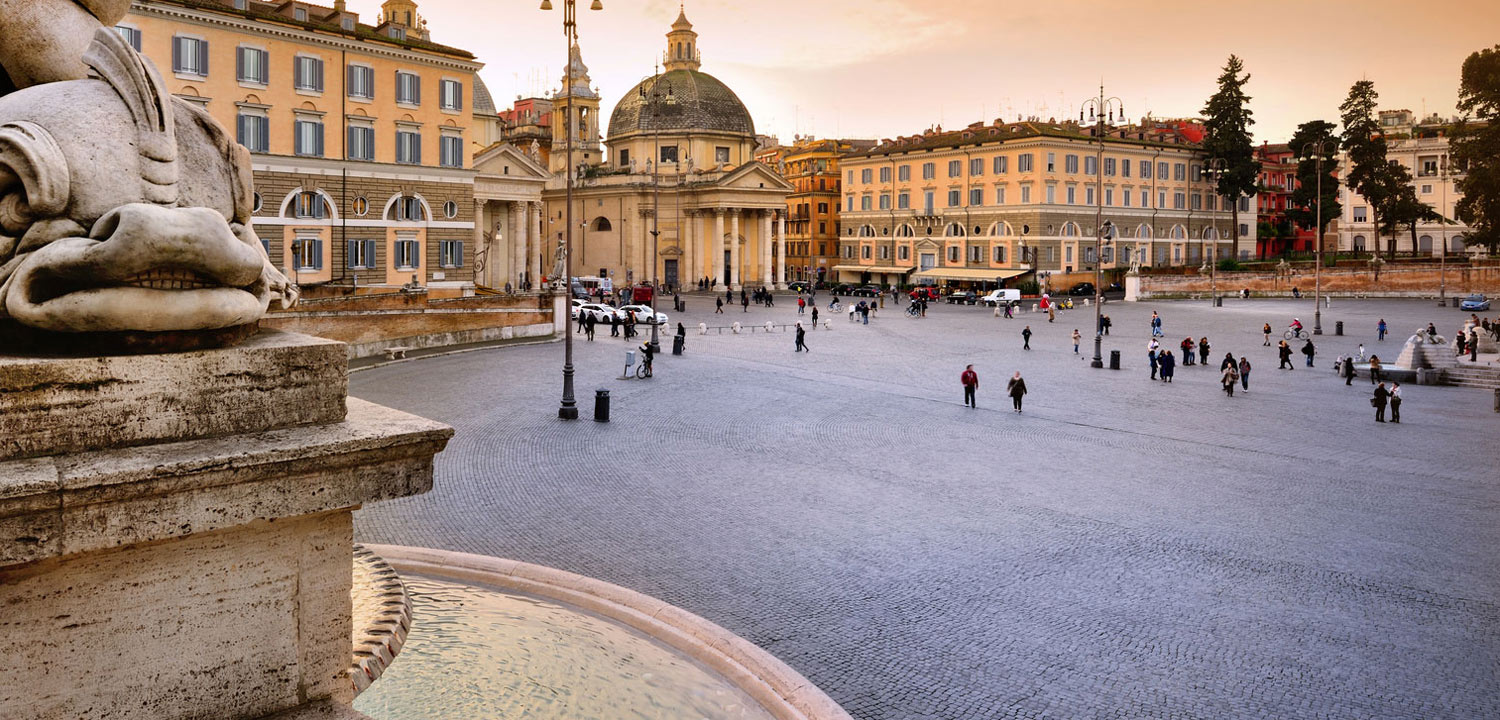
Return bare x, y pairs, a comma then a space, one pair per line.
1285, 352
1015, 388
587, 323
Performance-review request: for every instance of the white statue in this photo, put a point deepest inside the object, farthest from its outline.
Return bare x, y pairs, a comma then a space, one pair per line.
122, 209
535, 151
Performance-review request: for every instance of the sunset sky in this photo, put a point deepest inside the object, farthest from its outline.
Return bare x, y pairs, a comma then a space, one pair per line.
880, 68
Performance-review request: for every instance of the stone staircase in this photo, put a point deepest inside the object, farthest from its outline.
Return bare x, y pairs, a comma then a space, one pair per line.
1480, 376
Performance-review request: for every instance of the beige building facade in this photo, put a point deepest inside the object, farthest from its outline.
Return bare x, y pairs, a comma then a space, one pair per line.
675, 195
992, 203
361, 135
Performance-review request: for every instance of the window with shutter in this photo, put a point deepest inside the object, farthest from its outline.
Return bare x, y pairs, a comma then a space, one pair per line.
131, 35
453, 95
451, 253
190, 56
361, 82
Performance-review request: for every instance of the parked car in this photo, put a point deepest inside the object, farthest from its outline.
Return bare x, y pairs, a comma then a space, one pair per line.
1475, 302
924, 292
1003, 295
577, 303
868, 291
643, 314
1083, 289
962, 297
798, 286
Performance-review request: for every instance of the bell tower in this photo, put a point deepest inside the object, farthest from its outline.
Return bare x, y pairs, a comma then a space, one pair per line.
399, 12
575, 110
682, 45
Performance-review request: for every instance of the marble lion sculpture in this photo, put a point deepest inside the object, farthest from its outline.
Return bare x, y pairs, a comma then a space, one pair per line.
123, 210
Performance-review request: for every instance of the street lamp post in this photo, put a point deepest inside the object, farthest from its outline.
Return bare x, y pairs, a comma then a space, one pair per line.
1316, 150
1443, 232
568, 410
1215, 170
1099, 109
656, 96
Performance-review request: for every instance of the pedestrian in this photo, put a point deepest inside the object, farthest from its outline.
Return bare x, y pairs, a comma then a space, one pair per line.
1395, 401
1361, 353
1026, 338
1076, 337
801, 338
1380, 330
1473, 346
801, 305
1156, 325
864, 312
728, 295
1285, 351
1168, 365
744, 302
1051, 312
1016, 388
1151, 356
1187, 346
815, 314
1106, 322
1227, 361
1348, 371
1245, 373
970, 380
1375, 369
1229, 377
588, 328
614, 325
1203, 351
1460, 343
1009, 309
1381, 397
719, 306
1266, 330
1309, 351
770, 298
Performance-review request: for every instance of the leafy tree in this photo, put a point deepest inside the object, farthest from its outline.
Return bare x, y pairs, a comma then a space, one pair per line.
1366, 147
1475, 148
1304, 198
1403, 208
1227, 136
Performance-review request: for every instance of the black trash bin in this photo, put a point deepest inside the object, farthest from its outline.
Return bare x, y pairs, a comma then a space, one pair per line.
1338, 327
678, 342
1455, 302
1114, 359
1218, 302
601, 405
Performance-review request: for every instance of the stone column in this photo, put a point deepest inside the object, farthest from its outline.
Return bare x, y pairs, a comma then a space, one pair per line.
633, 263
537, 241
516, 237
781, 249
686, 275
765, 249
716, 264
734, 249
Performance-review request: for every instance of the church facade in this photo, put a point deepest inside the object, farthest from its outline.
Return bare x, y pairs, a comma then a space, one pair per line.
674, 196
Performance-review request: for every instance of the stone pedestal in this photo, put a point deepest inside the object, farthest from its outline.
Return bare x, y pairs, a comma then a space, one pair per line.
175, 530
1132, 287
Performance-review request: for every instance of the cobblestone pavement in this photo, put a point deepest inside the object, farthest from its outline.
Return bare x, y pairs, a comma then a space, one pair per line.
1124, 548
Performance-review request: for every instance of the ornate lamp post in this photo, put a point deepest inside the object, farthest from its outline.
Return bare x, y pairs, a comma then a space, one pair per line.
1099, 109
568, 410
1316, 151
1215, 170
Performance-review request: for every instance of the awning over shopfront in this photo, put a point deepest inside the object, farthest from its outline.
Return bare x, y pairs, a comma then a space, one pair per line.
971, 274
873, 269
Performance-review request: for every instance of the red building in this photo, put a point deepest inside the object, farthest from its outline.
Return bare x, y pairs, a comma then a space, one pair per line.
1278, 178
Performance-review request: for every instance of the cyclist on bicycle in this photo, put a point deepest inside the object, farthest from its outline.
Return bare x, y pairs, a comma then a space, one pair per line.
646, 357
834, 304
1296, 327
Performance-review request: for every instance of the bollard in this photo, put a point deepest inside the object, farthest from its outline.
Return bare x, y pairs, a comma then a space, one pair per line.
1338, 327
1114, 359
601, 405
770, 326
1497, 400
736, 327
702, 328
678, 343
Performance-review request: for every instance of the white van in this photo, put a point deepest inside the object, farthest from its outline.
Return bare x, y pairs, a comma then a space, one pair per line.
1003, 295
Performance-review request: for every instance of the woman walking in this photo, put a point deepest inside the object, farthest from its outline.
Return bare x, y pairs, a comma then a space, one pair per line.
1229, 377
1348, 371
1016, 388
1285, 351
1266, 330
1245, 373
801, 339
1203, 351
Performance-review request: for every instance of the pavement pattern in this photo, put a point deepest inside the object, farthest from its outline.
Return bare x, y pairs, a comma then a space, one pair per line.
1123, 548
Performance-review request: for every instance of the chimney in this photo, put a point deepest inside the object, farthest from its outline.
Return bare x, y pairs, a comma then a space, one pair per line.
338, 6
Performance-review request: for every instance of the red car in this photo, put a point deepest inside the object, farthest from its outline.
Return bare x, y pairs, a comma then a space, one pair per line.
924, 292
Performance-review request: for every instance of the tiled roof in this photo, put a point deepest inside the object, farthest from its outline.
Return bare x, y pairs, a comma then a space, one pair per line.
322, 22
698, 102
1002, 132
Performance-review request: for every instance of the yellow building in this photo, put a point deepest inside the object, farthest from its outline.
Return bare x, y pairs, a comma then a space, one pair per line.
361, 135
676, 195
812, 167
989, 203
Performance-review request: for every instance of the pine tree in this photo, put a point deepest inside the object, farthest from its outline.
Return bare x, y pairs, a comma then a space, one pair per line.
1366, 148
1227, 136
1475, 149
1305, 196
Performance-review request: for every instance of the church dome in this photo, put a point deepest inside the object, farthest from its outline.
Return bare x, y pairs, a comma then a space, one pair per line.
483, 103
698, 102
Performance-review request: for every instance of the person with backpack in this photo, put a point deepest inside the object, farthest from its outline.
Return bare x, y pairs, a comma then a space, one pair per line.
1309, 351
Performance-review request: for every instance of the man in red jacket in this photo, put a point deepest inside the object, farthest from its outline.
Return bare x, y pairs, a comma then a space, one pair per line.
970, 379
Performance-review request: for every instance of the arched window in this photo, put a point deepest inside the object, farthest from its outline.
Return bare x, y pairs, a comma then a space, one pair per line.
408, 208
905, 231
1001, 229
308, 204
953, 230
1210, 234
1456, 243
601, 224
867, 231
1359, 243
1179, 233
1425, 244
1069, 229
1143, 231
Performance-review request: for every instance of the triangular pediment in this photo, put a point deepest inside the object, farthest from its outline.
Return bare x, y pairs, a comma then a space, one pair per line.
494, 159
928, 243
754, 176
